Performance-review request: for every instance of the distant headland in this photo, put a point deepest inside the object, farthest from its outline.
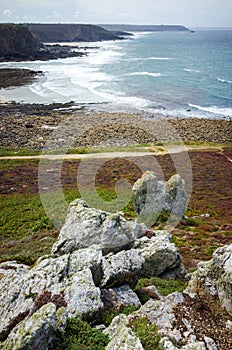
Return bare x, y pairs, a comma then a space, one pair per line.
145, 28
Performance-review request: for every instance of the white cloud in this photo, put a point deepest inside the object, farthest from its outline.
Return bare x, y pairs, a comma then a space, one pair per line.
7, 12
189, 13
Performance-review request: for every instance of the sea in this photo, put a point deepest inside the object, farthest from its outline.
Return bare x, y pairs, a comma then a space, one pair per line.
174, 74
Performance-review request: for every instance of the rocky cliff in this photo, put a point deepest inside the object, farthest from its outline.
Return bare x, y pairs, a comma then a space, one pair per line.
24, 42
70, 32
16, 40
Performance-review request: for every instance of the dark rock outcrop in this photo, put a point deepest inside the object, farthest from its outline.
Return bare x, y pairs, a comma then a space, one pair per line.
17, 41
24, 42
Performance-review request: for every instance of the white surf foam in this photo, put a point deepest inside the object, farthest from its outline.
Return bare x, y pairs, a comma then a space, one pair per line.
160, 58
149, 58
191, 70
227, 112
146, 73
224, 81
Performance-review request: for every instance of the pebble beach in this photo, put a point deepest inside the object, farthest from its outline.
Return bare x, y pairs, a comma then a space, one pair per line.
31, 126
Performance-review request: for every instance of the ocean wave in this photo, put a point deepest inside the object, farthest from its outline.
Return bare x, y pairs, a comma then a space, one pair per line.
149, 58
224, 81
226, 112
160, 58
191, 70
146, 73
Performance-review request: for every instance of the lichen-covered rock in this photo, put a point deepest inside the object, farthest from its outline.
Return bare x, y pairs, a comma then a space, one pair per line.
176, 196
214, 279
115, 298
82, 297
121, 336
123, 267
149, 196
37, 331
152, 196
64, 274
12, 269
87, 258
159, 254
86, 226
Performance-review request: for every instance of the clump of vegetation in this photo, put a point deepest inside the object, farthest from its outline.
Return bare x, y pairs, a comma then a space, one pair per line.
7, 152
47, 297
146, 332
164, 287
78, 335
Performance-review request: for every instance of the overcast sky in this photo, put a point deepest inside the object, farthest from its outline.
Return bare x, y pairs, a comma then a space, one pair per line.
192, 13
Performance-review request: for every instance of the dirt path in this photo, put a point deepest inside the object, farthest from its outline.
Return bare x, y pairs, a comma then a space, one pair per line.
146, 151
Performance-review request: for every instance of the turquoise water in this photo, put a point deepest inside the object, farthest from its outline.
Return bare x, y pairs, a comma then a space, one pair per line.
169, 73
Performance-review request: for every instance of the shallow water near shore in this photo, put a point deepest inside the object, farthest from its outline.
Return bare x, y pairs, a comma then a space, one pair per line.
175, 74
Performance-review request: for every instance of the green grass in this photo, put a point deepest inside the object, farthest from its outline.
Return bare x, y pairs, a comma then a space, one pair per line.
7, 152
78, 335
146, 332
164, 287
22, 215
26, 232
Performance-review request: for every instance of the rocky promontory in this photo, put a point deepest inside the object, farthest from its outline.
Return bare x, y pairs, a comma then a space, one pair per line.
17, 41
25, 42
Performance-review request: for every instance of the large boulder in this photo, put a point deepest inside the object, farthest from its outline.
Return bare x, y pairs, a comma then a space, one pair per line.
212, 281
85, 226
123, 267
63, 274
160, 255
118, 297
83, 298
38, 331
153, 198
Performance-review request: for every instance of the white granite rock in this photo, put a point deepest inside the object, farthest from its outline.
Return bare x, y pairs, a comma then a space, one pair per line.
152, 196
86, 226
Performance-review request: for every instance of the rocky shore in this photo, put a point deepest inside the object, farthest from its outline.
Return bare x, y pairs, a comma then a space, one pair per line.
70, 125
11, 77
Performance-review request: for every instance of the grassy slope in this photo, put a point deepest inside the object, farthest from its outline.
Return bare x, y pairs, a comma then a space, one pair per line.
26, 232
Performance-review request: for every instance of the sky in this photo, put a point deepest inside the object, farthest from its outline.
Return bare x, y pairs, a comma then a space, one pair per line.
191, 13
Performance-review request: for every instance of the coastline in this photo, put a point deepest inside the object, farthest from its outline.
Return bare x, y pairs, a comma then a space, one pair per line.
31, 126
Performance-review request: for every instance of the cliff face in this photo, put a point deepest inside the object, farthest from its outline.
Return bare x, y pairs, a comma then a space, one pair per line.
70, 32
16, 40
